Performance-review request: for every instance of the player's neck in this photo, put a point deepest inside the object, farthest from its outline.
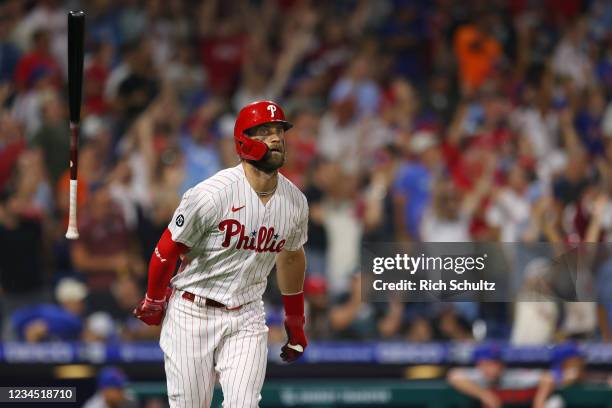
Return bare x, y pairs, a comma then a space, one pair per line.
260, 181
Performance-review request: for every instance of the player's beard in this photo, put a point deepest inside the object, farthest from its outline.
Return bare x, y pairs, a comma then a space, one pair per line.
272, 160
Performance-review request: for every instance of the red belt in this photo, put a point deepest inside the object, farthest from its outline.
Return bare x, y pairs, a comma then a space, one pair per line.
208, 302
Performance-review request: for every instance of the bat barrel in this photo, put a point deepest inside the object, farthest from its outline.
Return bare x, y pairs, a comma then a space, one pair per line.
76, 39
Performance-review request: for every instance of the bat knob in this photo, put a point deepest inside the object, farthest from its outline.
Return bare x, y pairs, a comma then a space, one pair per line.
72, 233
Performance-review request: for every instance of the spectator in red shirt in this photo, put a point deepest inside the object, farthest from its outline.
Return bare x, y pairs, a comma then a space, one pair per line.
102, 252
96, 74
303, 141
38, 57
12, 144
222, 47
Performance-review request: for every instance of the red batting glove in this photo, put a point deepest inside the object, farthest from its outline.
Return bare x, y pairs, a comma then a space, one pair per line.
294, 326
151, 311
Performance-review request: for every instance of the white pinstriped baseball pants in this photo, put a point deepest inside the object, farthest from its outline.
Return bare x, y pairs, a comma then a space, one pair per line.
200, 342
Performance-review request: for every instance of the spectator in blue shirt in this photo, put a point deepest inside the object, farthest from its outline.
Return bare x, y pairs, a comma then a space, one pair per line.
112, 383
201, 155
413, 185
568, 368
358, 83
45, 322
9, 53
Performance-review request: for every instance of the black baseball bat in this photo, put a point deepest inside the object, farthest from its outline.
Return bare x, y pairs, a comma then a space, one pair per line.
76, 39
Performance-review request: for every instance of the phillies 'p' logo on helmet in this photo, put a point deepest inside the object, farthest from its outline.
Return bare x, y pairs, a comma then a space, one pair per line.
255, 114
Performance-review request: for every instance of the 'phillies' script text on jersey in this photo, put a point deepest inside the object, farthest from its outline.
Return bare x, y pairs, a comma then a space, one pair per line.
263, 238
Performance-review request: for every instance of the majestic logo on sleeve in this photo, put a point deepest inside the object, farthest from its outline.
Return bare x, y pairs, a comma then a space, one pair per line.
180, 220
262, 240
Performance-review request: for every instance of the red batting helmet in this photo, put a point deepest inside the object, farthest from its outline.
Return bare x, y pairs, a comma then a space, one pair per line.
255, 114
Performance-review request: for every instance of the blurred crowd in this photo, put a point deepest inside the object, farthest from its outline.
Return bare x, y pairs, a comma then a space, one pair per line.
495, 385
433, 121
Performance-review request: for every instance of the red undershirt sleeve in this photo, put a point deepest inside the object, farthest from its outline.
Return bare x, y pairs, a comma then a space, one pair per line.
162, 265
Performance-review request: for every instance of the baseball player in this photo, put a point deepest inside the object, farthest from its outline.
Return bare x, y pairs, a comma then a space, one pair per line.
228, 233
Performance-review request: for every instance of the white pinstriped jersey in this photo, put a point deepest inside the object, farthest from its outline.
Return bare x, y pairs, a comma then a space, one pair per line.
233, 237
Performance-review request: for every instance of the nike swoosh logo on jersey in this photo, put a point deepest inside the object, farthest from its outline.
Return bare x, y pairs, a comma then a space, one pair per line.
234, 209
